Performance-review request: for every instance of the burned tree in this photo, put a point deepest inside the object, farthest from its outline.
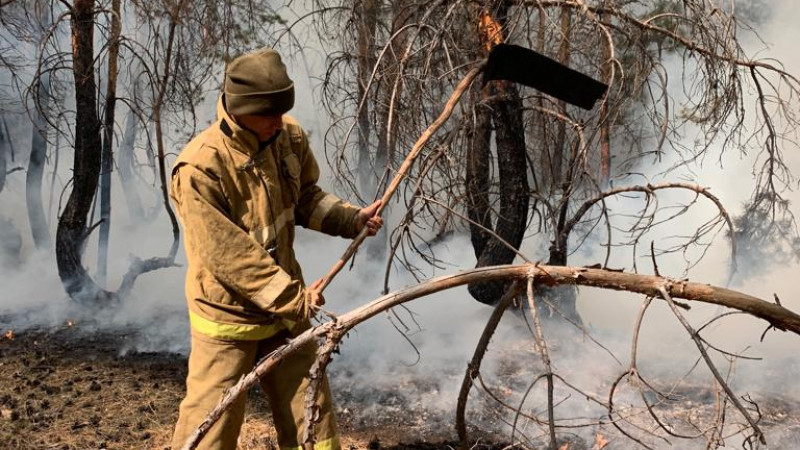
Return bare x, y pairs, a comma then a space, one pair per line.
72, 229
107, 155
522, 163
174, 66
498, 113
531, 275
576, 162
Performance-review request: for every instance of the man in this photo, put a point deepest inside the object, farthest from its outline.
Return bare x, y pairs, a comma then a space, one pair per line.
240, 187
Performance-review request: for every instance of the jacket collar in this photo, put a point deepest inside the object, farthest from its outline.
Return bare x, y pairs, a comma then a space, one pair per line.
240, 138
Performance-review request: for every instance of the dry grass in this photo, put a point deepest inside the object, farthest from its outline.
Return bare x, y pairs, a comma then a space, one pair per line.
63, 390
66, 389
69, 390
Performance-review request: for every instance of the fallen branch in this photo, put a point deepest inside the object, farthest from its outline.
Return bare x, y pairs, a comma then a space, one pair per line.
758, 433
541, 345
316, 376
474, 365
778, 316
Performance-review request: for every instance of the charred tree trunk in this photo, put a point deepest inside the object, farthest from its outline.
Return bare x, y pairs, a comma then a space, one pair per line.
477, 176
513, 190
107, 156
72, 230
505, 113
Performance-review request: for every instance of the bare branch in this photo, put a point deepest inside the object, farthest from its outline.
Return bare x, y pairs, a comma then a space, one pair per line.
666, 296
550, 275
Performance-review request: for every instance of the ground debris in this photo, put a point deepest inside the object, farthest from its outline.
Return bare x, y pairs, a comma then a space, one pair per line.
64, 389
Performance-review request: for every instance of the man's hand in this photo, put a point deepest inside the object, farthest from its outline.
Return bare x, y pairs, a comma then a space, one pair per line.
314, 298
366, 217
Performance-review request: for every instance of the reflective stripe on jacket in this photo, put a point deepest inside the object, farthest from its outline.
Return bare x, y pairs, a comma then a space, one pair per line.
238, 205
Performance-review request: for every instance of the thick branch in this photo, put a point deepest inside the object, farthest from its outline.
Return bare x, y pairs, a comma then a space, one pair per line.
776, 315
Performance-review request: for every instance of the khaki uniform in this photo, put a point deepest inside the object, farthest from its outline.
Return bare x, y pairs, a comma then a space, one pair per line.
239, 204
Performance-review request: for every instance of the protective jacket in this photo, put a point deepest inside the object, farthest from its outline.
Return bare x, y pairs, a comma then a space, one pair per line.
239, 202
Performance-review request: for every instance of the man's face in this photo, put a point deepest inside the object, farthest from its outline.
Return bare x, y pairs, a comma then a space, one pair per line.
263, 126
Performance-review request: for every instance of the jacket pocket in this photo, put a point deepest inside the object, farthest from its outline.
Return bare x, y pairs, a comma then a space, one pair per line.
290, 168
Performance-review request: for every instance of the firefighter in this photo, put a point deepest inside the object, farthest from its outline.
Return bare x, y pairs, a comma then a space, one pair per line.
239, 188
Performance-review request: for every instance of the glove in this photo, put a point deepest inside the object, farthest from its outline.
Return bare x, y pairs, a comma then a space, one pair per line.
313, 299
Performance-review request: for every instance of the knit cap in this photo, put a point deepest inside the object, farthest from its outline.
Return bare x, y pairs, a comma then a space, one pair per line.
257, 83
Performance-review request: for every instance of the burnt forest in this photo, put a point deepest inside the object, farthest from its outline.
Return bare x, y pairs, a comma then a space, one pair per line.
589, 207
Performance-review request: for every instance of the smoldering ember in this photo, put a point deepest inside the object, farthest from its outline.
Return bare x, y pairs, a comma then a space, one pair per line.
544, 224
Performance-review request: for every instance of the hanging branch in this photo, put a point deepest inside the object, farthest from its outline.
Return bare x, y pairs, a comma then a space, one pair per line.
316, 376
649, 190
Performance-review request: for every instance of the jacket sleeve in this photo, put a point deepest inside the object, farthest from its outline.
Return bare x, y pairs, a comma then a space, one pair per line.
317, 209
227, 251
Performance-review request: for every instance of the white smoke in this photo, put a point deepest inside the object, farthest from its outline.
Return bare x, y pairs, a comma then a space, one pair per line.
377, 355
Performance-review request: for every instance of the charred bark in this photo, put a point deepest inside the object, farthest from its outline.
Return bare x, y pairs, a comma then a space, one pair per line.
107, 157
477, 178
512, 216
72, 229
503, 105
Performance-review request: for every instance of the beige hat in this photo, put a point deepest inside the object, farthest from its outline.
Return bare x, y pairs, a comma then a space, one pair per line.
257, 83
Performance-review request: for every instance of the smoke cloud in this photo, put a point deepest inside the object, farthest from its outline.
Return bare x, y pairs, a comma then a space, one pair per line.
424, 368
